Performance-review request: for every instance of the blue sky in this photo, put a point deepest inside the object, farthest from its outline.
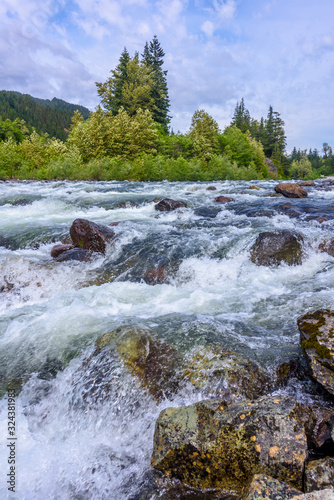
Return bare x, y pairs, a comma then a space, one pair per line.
269, 52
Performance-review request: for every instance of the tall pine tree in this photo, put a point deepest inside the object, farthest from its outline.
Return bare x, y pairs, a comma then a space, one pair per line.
153, 58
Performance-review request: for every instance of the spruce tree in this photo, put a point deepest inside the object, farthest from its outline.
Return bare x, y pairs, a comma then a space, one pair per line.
153, 58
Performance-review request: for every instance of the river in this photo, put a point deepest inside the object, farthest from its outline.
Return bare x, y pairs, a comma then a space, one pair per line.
74, 443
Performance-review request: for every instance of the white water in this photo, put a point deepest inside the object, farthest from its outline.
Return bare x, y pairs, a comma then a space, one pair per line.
74, 440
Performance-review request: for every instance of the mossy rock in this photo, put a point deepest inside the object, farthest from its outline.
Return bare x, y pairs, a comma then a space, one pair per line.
148, 358
211, 445
317, 339
223, 374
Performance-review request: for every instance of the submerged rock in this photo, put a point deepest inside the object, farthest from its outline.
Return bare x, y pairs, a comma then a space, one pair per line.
223, 374
58, 249
327, 247
291, 190
211, 188
264, 487
223, 199
319, 474
74, 254
90, 236
167, 205
209, 445
274, 248
149, 359
252, 186
317, 339
157, 276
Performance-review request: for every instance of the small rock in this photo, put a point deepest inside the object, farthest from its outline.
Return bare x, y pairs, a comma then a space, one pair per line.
327, 494
317, 339
255, 187
167, 205
327, 247
319, 474
127, 204
306, 183
291, 190
211, 188
265, 487
156, 276
222, 199
58, 249
274, 248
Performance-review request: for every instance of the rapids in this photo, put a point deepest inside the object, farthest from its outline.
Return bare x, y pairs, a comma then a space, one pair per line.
73, 443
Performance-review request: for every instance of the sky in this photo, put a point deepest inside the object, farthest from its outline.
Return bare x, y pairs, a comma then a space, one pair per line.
269, 52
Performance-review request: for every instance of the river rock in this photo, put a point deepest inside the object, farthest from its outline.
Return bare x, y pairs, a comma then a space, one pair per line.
127, 204
223, 199
149, 359
211, 445
74, 254
274, 248
319, 474
327, 494
211, 188
58, 249
306, 183
264, 487
90, 236
288, 370
317, 339
156, 276
167, 205
252, 186
223, 374
327, 247
291, 190
272, 169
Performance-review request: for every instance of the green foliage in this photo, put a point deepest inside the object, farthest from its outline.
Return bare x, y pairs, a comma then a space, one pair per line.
203, 132
301, 169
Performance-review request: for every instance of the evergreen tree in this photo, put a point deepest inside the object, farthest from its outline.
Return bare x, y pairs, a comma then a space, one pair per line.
241, 118
153, 58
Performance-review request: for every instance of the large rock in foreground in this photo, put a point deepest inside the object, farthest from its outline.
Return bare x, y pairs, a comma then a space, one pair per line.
90, 236
290, 190
317, 338
273, 248
167, 205
209, 445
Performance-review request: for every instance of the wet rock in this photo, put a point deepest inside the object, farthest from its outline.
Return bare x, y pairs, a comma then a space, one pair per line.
291, 190
274, 248
319, 474
288, 370
58, 249
149, 359
211, 445
264, 487
223, 374
327, 494
127, 204
252, 186
75, 254
272, 169
223, 199
156, 276
327, 247
320, 432
211, 188
6, 286
317, 339
306, 183
90, 236
167, 205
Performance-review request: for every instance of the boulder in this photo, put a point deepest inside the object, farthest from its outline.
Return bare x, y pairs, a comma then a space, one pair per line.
90, 236
291, 190
317, 339
272, 169
274, 248
223, 374
167, 205
264, 487
222, 199
58, 249
211, 445
319, 474
149, 359
75, 254
327, 247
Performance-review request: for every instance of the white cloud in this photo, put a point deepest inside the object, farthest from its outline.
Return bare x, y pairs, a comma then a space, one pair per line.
208, 28
225, 10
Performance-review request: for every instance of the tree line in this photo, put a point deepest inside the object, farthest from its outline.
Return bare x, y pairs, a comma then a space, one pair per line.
128, 137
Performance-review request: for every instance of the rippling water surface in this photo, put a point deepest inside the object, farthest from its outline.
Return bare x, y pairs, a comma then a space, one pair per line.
72, 445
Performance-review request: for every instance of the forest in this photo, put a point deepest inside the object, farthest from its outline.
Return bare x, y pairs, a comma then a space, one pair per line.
128, 136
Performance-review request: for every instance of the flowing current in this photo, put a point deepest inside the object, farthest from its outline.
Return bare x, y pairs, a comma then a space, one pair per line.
83, 435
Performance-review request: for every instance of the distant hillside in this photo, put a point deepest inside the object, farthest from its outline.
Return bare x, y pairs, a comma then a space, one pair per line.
53, 117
